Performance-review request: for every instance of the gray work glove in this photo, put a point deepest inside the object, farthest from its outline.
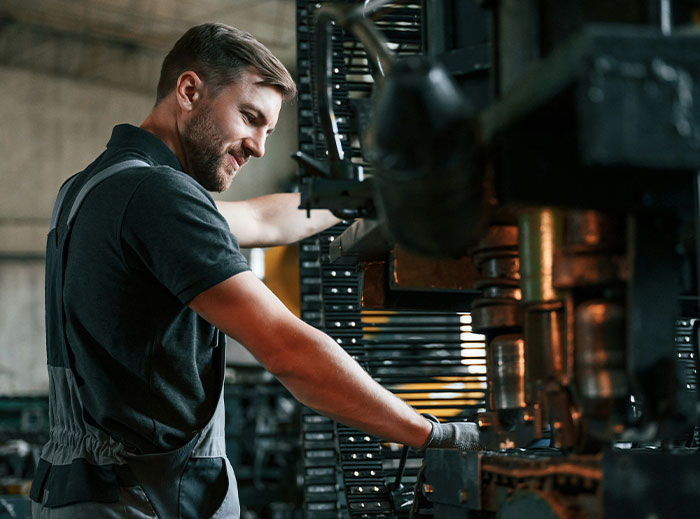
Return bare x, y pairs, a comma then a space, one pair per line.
458, 435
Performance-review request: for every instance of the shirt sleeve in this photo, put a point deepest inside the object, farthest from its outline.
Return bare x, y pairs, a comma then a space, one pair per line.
172, 224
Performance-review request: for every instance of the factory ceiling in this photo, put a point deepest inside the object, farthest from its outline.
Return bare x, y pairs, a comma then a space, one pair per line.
122, 42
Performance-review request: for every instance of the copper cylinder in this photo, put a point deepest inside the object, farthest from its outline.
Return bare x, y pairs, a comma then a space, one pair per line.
545, 332
600, 350
591, 253
506, 370
540, 234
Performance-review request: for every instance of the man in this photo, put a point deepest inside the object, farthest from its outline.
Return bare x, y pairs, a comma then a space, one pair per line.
144, 277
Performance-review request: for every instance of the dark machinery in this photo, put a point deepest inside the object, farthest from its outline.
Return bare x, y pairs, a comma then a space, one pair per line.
557, 145
417, 351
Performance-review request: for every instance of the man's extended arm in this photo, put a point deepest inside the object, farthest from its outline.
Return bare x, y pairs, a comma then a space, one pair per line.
317, 371
274, 219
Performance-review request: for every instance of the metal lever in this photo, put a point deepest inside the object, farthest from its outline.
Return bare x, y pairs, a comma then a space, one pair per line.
402, 467
401, 497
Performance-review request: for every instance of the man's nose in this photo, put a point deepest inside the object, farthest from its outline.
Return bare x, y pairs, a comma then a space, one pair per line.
255, 144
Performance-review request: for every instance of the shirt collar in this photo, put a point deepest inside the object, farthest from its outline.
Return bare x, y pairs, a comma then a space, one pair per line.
134, 138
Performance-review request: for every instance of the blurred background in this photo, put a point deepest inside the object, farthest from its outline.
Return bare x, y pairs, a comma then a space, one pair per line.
73, 69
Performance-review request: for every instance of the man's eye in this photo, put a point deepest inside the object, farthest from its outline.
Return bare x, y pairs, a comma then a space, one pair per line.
249, 117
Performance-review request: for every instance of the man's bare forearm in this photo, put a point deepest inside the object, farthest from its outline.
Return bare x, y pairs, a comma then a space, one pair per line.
329, 381
274, 219
315, 369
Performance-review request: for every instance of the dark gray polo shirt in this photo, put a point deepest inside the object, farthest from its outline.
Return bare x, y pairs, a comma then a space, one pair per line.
145, 243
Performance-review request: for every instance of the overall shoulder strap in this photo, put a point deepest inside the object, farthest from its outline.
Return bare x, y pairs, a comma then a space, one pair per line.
59, 201
96, 179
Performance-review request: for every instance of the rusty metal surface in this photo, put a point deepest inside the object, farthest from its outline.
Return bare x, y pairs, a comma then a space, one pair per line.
585, 270
600, 350
413, 271
592, 231
499, 237
374, 284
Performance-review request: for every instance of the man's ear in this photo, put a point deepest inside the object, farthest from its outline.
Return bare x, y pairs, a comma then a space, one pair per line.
189, 90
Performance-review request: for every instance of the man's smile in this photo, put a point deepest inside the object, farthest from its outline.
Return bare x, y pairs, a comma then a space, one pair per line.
236, 162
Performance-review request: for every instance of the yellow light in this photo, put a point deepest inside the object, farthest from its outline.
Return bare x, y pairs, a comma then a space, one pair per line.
473, 337
473, 352
376, 319
428, 403
473, 368
448, 394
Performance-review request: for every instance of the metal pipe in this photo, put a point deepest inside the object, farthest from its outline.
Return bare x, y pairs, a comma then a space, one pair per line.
506, 368
666, 23
540, 233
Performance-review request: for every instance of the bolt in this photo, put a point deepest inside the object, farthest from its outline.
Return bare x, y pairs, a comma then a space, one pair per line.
484, 421
507, 444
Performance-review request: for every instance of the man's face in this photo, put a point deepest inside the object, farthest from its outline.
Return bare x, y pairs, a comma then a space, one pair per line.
224, 131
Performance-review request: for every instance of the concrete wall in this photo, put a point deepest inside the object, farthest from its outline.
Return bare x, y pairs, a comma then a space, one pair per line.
50, 128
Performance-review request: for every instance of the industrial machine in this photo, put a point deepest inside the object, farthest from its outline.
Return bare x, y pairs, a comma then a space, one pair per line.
553, 146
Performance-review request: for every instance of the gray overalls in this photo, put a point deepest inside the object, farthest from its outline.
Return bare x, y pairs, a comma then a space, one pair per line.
83, 472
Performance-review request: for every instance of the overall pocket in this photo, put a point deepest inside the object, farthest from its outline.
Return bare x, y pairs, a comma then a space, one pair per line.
208, 490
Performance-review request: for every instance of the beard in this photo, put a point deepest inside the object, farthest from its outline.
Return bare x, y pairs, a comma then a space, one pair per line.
206, 154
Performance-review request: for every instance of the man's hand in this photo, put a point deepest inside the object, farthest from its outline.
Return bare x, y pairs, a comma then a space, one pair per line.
458, 435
